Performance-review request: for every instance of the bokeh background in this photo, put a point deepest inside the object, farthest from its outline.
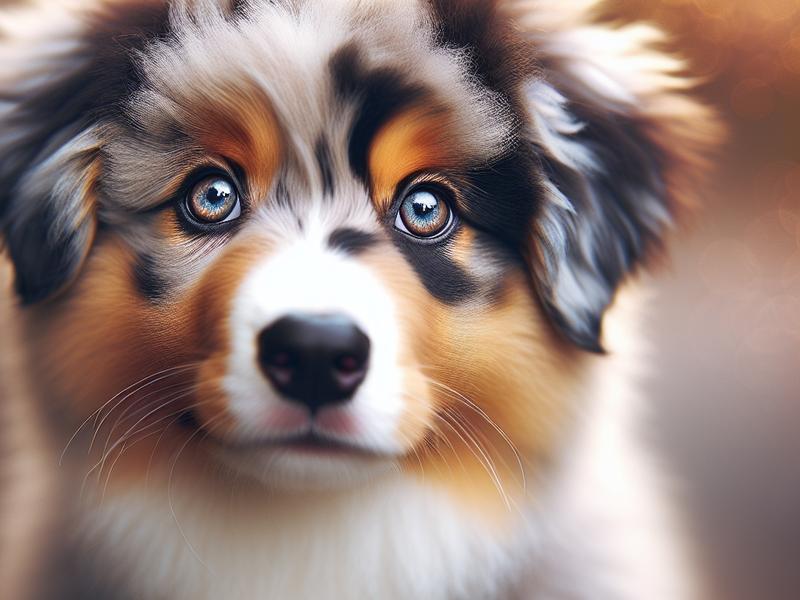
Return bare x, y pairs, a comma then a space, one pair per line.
725, 317
725, 312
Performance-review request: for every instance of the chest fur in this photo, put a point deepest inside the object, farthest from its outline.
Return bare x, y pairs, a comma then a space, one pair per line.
397, 540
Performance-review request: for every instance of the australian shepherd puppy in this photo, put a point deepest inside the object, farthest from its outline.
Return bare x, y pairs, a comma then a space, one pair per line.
313, 294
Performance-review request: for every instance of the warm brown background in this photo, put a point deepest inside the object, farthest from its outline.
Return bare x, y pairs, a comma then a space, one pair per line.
725, 317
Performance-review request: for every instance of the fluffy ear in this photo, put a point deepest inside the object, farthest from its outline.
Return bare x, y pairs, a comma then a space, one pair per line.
622, 145
63, 66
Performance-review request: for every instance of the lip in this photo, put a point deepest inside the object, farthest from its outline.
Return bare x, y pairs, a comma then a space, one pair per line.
310, 444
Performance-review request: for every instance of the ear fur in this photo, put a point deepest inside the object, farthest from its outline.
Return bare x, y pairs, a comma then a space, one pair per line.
50, 222
622, 145
63, 66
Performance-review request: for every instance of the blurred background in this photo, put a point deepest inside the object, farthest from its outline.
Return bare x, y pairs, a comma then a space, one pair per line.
725, 316
725, 319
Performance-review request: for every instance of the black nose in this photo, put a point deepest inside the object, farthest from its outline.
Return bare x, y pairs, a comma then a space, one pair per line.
316, 360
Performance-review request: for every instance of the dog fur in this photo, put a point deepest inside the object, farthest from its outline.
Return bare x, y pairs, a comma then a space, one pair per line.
498, 429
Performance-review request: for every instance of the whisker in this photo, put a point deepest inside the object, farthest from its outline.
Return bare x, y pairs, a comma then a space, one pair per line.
174, 371
155, 447
480, 454
110, 471
169, 399
169, 492
97, 412
455, 395
123, 439
100, 464
139, 405
438, 435
413, 447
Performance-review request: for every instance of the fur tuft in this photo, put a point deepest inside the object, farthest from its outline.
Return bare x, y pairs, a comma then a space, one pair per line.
623, 147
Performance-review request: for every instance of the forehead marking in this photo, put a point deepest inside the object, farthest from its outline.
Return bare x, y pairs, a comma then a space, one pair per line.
322, 153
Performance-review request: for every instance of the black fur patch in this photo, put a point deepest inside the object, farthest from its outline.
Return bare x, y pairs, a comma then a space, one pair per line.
381, 93
238, 8
352, 241
442, 277
149, 281
504, 198
323, 155
501, 57
44, 263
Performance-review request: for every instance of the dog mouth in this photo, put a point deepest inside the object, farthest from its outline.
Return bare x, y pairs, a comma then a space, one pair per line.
309, 443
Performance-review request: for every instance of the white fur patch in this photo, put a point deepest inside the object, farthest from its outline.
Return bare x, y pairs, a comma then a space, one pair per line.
394, 541
305, 276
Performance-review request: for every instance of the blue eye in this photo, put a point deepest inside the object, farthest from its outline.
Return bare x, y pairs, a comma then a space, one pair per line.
214, 200
424, 213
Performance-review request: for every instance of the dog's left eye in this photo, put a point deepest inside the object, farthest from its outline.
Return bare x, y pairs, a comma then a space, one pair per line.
214, 200
424, 213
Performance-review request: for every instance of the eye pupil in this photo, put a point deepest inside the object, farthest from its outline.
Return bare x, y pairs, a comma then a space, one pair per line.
425, 208
217, 196
214, 200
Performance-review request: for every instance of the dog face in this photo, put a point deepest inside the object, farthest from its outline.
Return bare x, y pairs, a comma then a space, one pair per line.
315, 241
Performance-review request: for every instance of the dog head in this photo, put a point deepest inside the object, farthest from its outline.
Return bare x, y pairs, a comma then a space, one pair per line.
318, 240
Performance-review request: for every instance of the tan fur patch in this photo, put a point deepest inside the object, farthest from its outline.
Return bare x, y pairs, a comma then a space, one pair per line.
421, 137
461, 248
252, 139
503, 385
133, 399
489, 390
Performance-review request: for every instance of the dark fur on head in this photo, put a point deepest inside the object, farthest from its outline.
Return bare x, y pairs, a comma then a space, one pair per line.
594, 169
53, 101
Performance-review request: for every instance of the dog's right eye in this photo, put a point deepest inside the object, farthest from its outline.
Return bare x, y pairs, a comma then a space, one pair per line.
214, 200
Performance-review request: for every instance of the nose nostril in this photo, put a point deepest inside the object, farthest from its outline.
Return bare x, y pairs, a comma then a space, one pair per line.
349, 372
282, 378
279, 360
348, 365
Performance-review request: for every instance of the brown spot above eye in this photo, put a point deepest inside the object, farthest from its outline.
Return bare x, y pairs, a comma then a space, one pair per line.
238, 123
422, 137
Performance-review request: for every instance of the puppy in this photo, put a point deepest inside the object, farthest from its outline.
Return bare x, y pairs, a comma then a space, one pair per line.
313, 295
